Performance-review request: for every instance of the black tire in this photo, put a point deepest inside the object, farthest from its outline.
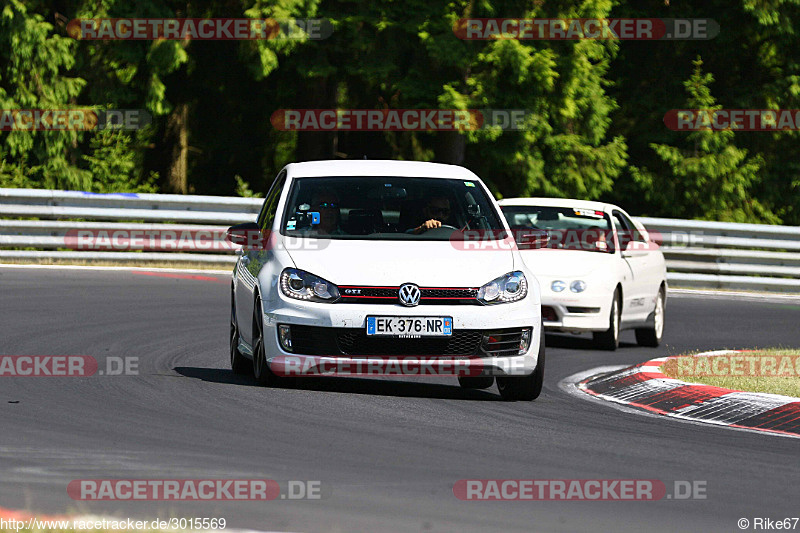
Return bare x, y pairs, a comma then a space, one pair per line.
239, 363
479, 382
524, 388
609, 339
651, 336
261, 371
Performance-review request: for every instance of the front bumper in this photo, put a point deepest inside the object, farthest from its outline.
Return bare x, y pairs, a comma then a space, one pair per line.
575, 312
331, 340
289, 365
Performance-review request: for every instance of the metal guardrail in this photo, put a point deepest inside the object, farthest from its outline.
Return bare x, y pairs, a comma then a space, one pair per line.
699, 254
724, 255
49, 205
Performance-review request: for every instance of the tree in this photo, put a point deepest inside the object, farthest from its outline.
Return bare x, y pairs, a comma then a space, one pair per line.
706, 176
32, 64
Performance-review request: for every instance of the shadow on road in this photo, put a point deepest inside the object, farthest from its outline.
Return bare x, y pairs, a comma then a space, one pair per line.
350, 385
574, 342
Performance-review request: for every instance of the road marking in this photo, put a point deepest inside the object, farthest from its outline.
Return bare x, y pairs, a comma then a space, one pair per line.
120, 268
174, 275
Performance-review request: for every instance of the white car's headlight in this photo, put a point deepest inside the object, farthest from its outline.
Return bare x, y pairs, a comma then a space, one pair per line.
558, 286
577, 286
301, 285
508, 288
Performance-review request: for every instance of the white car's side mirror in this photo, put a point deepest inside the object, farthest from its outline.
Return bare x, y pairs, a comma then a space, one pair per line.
635, 249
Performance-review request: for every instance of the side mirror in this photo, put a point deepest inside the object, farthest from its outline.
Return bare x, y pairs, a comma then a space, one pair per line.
245, 234
635, 249
531, 239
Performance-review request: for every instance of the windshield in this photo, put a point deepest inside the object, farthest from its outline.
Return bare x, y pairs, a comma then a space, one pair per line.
568, 228
388, 208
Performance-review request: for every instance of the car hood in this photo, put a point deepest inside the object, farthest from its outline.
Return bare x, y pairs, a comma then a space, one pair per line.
565, 264
392, 263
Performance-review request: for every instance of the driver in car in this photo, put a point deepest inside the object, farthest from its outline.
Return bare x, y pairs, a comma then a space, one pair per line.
436, 213
326, 202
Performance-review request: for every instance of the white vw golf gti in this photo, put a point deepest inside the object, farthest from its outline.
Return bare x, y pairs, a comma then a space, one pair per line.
600, 272
366, 261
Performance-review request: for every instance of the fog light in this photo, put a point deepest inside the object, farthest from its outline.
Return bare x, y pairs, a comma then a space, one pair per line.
285, 337
524, 341
558, 286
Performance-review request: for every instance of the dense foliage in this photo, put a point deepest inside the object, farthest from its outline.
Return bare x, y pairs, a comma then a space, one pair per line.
597, 106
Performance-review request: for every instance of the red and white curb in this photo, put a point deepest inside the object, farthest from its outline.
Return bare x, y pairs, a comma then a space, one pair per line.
644, 386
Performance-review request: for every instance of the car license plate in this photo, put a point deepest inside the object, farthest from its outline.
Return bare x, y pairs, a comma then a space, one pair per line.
410, 326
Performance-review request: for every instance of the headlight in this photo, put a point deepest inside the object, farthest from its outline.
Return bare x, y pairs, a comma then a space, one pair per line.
558, 286
509, 288
301, 285
577, 286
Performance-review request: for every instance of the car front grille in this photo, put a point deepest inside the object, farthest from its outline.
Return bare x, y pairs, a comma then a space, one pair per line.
502, 343
573, 309
313, 340
461, 343
429, 295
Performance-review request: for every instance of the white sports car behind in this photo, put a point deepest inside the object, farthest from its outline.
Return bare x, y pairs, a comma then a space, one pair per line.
600, 271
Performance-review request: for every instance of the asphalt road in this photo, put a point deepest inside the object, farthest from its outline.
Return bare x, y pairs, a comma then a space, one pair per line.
386, 452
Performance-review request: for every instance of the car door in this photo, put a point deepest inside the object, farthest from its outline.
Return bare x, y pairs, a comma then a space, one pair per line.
252, 259
636, 253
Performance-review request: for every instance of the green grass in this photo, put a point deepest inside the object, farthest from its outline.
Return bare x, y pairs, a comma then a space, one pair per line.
774, 371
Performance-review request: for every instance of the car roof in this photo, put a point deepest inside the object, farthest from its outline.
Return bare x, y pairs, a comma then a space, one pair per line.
558, 202
378, 168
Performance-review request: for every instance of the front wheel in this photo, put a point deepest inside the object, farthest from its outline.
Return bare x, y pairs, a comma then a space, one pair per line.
652, 336
261, 371
609, 339
524, 388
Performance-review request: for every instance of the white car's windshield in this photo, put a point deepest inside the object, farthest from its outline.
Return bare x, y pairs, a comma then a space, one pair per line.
568, 228
388, 208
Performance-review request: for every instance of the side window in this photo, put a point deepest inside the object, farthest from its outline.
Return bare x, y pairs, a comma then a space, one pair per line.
621, 228
631, 227
267, 215
619, 225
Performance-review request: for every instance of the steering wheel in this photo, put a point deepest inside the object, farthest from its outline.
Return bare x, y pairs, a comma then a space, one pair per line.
441, 229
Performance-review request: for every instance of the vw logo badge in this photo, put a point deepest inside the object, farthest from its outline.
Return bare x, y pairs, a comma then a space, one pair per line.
409, 295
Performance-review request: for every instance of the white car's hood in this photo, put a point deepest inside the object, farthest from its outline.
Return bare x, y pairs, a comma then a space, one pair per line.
551, 263
392, 263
